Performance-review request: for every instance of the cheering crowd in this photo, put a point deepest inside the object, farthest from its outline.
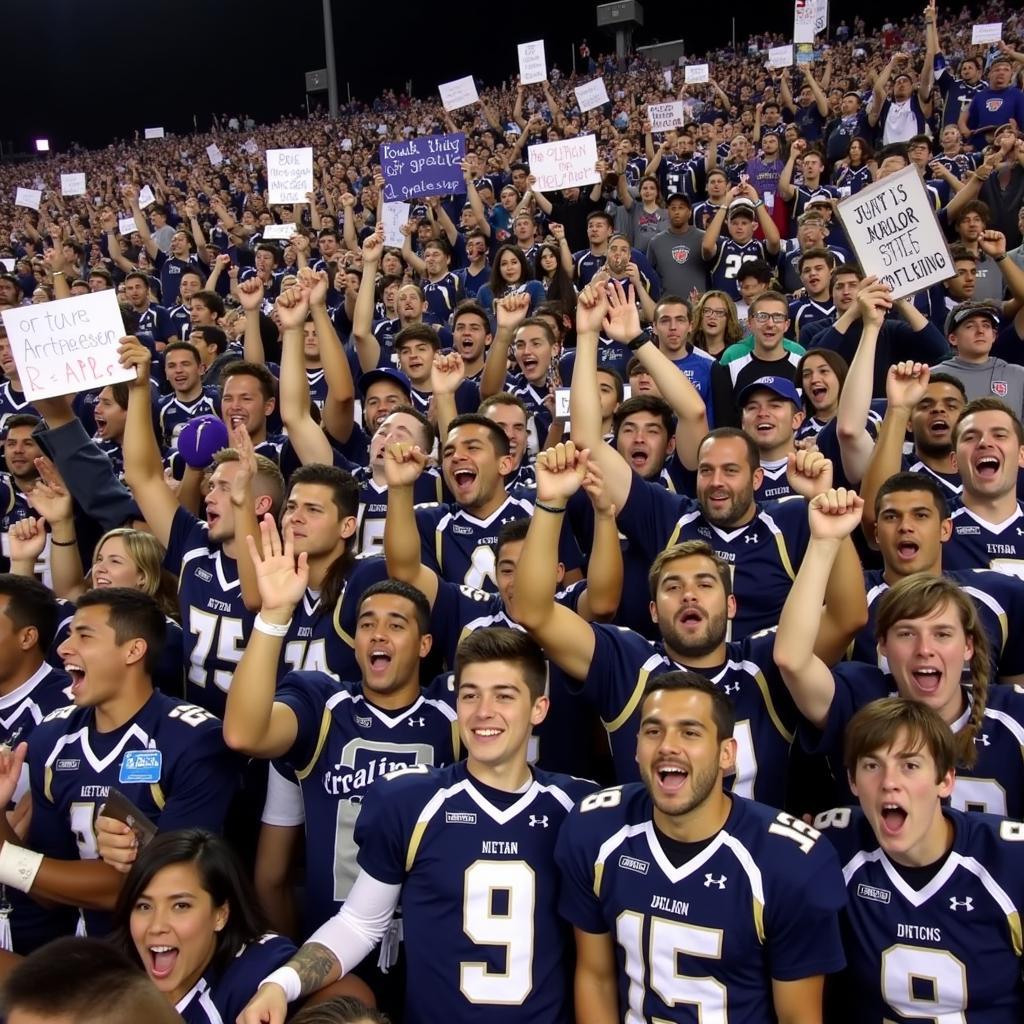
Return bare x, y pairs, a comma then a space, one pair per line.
605, 605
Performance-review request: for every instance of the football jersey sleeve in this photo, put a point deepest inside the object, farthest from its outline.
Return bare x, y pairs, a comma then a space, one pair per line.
382, 829
242, 977
620, 655
649, 516
427, 519
306, 693
575, 856
186, 533
856, 684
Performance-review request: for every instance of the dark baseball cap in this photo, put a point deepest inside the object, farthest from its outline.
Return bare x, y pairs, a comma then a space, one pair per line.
782, 386
384, 373
678, 195
962, 313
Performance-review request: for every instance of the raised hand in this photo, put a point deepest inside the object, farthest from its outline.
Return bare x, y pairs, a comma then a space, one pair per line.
247, 468
906, 383
993, 243
622, 321
373, 246
27, 538
834, 514
809, 473
292, 307
591, 309
403, 464
315, 284
874, 300
447, 373
280, 577
560, 472
250, 294
131, 353
594, 485
512, 309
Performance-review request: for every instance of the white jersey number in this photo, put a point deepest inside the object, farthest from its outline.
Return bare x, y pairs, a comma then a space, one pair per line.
945, 975
209, 628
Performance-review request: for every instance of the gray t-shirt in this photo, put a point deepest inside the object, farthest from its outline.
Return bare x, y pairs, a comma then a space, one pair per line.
990, 284
992, 378
677, 260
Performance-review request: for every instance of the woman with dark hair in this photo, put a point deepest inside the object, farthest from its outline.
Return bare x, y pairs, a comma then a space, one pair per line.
510, 276
859, 171
548, 269
820, 375
189, 916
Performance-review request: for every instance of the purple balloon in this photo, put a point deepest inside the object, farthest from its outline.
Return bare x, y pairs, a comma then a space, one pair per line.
200, 439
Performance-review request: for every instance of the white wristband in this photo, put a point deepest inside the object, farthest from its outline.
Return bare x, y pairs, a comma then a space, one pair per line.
261, 625
286, 978
19, 867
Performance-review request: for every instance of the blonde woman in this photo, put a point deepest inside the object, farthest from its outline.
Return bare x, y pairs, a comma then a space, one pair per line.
716, 325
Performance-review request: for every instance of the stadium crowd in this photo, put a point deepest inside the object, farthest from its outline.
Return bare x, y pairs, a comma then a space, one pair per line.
320, 637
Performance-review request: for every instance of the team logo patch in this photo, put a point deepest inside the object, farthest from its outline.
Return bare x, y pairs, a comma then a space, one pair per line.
993, 104
641, 867
204, 575
67, 764
680, 253
1000, 387
141, 766
870, 892
460, 817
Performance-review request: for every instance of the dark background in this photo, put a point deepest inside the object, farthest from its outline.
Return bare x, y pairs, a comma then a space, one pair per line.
88, 71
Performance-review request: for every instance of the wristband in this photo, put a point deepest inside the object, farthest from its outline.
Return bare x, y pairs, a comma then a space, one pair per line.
63, 543
58, 273
19, 867
261, 625
1000, 258
554, 510
287, 979
641, 339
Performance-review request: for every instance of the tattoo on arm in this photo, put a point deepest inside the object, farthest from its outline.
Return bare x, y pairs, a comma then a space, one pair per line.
316, 966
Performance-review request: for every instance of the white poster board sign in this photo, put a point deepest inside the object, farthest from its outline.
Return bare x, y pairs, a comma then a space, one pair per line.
533, 66
154, 133
28, 197
696, 74
72, 184
251, 148
665, 116
272, 232
289, 175
126, 225
988, 33
895, 235
215, 155
392, 217
67, 346
570, 163
146, 197
591, 94
780, 56
458, 94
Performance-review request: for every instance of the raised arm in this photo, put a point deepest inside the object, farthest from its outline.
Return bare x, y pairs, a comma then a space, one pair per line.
243, 502
510, 313
820, 99
446, 375
476, 204
367, 346
131, 195
786, 189
419, 268
403, 466
250, 295
709, 243
600, 601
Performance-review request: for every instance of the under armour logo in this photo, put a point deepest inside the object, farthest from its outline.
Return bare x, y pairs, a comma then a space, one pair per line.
536, 820
955, 904
751, 538
983, 740
710, 880
1020, 532
421, 722
731, 687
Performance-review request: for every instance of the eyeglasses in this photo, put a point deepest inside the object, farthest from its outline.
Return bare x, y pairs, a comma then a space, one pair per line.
775, 318
714, 313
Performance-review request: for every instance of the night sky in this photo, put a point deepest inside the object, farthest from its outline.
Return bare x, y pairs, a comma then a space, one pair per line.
92, 70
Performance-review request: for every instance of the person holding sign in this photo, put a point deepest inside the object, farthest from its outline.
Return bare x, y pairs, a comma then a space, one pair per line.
907, 112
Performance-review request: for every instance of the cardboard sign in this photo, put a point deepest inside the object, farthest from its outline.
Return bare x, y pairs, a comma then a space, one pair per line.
72, 184
430, 165
696, 74
591, 94
275, 231
780, 56
989, 33
28, 197
665, 116
126, 225
251, 148
570, 163
667, 73
458, 94
154, 133
7, 264
215, 155
289, 175
533, 66
895, 234
810, 18
67, 346
146, 197
805, 53
392, 217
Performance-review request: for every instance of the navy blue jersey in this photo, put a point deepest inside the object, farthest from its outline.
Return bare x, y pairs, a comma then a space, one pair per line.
479, 891
156, 320
467, 398
775, 483
344, 744
442, 296
373, 506
173, 413
978, 544
317, 382
946, 950
462, 549
219, 997
995, 785
956, 93
729, 257
704, 214
999, 599
169, 760
702, 940
806, 311
214, 619
762, 555
13, 402
170, 270
611, 354
766, 719
686, 175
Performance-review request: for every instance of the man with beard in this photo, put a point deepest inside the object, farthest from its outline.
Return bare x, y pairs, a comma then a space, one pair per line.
675, 254
715, 899
692, 603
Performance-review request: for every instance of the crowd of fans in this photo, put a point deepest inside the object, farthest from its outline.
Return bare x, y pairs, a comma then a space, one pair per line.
313, 632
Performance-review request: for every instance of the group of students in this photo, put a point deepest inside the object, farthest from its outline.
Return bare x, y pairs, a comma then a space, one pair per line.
374, 647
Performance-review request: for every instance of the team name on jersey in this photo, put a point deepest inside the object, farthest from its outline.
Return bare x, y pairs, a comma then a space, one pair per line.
370, 763
1001, 549
671, 906
500, 846
93, 791
217, 605
917, 931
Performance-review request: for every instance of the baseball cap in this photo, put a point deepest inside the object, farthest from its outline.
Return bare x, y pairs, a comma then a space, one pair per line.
678, 195
782, 386
963, 312
741, 206
367, 380
818, 199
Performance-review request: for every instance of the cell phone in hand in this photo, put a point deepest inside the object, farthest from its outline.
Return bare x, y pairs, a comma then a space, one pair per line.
119, 807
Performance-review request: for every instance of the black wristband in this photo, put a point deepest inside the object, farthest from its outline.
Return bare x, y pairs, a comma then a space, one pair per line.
549, 508
641, 339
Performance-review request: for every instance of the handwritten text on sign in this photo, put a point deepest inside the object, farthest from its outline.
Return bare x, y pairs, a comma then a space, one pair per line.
289, 175
895, 235
567, 164
665, 116
67, 346
427, 166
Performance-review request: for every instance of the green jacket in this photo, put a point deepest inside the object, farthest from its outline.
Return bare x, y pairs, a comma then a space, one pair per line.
745, 346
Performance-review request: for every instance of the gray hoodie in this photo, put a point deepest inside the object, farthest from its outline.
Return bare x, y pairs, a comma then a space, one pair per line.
994, 377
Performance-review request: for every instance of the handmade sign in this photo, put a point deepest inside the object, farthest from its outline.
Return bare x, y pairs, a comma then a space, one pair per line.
430, 165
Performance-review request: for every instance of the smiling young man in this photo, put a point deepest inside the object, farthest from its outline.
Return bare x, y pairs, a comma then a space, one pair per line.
469, 851
166, 756
683, 895
770, 414
183, 369
935, 895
